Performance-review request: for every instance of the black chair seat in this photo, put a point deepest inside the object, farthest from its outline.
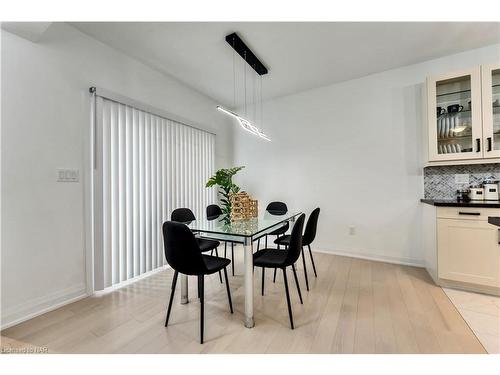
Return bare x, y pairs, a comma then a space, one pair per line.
273, 258
183, 254
270, 258
283, 240
281, 230
215, 264
207, 245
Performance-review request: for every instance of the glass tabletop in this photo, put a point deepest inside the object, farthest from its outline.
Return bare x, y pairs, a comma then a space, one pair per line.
237, 231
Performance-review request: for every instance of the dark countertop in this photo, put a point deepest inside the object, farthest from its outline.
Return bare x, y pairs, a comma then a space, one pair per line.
455, 203
494, 220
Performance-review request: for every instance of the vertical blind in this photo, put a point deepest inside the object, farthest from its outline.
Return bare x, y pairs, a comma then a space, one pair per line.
146, 166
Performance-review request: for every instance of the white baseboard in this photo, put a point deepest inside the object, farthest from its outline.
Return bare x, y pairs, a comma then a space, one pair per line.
374, 257
20, 313
41, 305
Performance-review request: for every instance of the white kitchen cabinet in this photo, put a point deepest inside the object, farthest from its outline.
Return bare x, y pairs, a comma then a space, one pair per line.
468, 251
491, 110
461, 249
461, 116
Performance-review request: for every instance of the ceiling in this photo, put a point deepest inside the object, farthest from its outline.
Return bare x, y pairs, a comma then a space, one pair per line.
299, 56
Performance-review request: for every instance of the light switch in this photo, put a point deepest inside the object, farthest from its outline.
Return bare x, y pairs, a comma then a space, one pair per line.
68, 175
462, 178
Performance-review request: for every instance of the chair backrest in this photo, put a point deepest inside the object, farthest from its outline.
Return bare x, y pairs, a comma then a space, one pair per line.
213, 212
311, 226
182, 215
181, 249
277, 208
295, 246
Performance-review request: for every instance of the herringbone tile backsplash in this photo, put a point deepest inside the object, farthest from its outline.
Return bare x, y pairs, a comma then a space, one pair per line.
439, 182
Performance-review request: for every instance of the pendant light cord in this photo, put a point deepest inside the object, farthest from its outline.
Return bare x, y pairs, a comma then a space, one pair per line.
261, 108
254, 98
245, 79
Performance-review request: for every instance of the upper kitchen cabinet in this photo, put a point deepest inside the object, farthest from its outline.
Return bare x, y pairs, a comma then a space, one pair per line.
491, 110
454, 116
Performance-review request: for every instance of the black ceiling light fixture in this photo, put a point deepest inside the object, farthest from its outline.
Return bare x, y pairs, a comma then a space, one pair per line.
246, 54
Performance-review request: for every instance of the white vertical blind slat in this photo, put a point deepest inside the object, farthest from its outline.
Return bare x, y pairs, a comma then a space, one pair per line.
142, 143
129, 191
106, 188
115, 214
136, 196
146, 166
122, 188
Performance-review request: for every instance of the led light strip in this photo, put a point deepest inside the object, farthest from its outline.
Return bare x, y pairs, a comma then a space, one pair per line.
245, 124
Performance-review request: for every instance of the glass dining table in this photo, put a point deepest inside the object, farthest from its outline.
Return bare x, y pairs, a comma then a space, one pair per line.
244, 232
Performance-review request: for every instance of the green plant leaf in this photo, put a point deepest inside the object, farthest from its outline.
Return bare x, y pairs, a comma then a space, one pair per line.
224, 179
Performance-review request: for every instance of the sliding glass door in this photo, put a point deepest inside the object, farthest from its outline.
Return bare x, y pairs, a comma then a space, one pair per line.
146, 166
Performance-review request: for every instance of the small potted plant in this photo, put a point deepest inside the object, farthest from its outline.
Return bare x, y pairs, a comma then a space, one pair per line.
224, 179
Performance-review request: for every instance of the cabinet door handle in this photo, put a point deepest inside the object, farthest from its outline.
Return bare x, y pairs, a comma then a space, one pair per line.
478, 144
489, 144
469, 213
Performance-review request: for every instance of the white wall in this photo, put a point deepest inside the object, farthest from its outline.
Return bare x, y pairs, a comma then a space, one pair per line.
45, 119
355, 150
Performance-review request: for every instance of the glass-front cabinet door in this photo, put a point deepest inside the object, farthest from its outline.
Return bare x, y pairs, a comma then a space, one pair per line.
491, 110
454, 114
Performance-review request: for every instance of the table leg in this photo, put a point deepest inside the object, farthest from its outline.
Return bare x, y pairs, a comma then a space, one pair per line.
184, 289
249, 322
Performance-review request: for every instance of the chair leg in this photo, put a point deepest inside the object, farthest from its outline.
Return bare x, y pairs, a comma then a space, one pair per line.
232, 257
199, 288
297, 283
202, 305
312, 260
305, 269
228, 291
263, 276
288, 298
220, 275
174, 282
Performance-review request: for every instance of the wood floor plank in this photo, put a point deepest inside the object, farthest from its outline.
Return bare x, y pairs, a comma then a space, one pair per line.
424, 335
447, 322
354, 306
405, 337
385, 338
328, 321
364, 340
343, 339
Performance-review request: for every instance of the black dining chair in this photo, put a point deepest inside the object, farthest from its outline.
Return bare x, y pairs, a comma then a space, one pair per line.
276, 208
307, 239
274, 258
185, 215
213, 213
184, 255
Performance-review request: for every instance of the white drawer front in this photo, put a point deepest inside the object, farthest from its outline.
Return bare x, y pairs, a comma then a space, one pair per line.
467, 213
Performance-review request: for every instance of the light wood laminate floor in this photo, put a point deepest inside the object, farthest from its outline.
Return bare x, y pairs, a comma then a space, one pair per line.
354, 306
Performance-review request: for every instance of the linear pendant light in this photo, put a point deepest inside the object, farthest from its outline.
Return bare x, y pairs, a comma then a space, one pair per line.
244, 123
241, 48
